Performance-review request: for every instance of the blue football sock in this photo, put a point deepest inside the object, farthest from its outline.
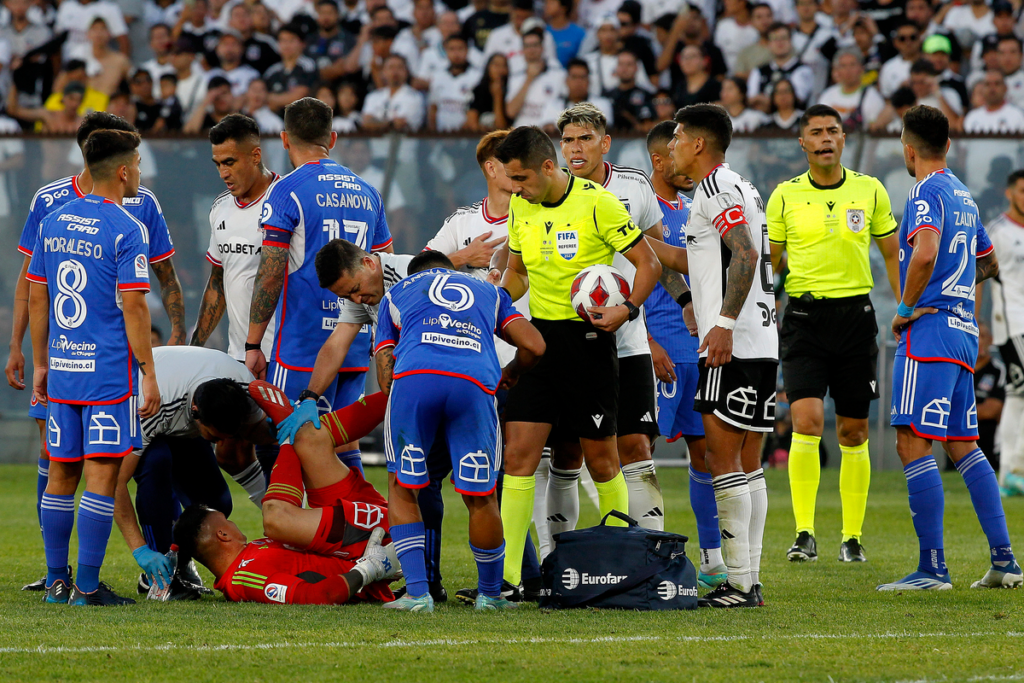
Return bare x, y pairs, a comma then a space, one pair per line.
95, 517
927, 504
490, 566
410, 542
531, 565
705, 509
41, 480
432, 511
984, 489
57, 517
353, 459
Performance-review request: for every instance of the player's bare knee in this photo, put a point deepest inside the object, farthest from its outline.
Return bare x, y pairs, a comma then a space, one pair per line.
274, 514
308, 439
634, 448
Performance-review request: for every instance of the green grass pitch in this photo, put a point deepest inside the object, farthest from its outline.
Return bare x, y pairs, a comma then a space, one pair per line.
823, 621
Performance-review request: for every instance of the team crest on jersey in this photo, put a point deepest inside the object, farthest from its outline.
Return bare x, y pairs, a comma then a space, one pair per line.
275, 592
855, 219
567, 243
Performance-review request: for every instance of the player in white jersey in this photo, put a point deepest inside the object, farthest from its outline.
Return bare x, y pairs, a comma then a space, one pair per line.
730, 272
1007, 235
235, 235
585, 141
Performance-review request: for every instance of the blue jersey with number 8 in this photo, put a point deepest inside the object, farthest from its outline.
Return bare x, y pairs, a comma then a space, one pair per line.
314, 204
943, 204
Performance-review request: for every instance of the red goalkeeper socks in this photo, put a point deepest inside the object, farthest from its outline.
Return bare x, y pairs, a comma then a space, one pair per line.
355, 421
286, 478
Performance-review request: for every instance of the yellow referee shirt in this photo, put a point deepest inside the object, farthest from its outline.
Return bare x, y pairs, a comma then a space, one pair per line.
556, 241
828, 231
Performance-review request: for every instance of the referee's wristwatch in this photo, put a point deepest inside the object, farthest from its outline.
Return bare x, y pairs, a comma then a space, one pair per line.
634, 311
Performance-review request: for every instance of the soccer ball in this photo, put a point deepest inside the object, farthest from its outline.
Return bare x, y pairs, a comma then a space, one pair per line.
598, 285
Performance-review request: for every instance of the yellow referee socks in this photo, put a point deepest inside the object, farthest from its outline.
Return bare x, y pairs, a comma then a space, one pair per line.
854, 480
611, 495
516, 514
804, 474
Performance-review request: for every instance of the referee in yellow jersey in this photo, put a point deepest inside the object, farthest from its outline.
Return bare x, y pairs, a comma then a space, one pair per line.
825, 220
557, 226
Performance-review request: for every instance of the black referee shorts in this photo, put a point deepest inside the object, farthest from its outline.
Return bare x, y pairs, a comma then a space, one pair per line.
575, 385
638, 397
830, 345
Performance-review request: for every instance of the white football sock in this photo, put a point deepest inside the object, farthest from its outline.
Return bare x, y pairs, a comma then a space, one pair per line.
1011, 425
710, 559
540, 507
646, 504
590, 488
563, 501
758, 513
252, 480
732, 493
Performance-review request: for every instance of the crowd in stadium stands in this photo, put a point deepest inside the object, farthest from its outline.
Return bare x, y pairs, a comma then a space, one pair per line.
451, 65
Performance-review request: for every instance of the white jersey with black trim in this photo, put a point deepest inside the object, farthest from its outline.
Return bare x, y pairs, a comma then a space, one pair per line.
634, 190
1007, 237
462, 227
179, 372
395, 267
723, 200
236, 242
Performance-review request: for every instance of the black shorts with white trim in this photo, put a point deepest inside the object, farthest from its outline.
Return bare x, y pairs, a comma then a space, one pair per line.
741, 393
638, 397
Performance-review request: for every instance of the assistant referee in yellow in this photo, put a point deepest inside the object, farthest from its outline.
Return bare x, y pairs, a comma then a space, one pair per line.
557, 226
825, 220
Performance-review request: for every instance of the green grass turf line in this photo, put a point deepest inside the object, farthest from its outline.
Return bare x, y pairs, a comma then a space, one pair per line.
822, 621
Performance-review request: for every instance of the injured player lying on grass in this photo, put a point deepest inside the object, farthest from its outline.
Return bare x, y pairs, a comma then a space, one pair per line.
330, 553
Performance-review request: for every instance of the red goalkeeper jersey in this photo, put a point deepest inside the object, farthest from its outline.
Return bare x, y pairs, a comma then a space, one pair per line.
269, 571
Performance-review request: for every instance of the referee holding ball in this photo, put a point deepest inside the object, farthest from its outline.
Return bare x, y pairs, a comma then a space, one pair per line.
825, 220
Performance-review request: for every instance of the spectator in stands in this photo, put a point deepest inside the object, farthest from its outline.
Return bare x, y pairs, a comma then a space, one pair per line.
32, 77
478, 26
784, 64
675, 32
870, 45
887, 14
121, 105
218, 103
191, 88
257, 49
568, 36
734, 31
171, 110
632, 39
1010, 58
435, 59
970, 21
76, 17
258, 108
487, 109
347, 117
988, 56
106, 68
922, 14
605, 59
451, 90
845, 15
858, 104
1004, 21
529, 93
423, 35
734, 99
896, 71
160, 63
937, 50
263, 20
295, 76
64, 121
924, 81
331, 42
811, 33
195, 22
510, 38
74, 72
147, 107
664, 106
592, 12
695, 84
891, 118
396, 105
785, 108
237, 73
353, 15
632, 106
757, 53
996, 115
577, 87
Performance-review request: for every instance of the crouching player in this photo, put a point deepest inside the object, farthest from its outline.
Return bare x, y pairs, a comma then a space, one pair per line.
436, 360
328, 554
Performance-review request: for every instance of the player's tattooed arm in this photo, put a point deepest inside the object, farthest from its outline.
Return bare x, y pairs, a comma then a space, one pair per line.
174, 302
385, 360
742, 269
212, 308
986, 267
267, 289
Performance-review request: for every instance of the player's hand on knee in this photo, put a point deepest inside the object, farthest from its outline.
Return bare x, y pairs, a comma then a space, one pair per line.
718, 344
305, 411
157, 567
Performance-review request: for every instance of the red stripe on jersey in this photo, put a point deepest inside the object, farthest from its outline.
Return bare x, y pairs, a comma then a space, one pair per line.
381, 247
133, 286
729, 219
987, 251
161, 257
26, 252
383, 345
35, 278
213, 260
275, 237
923, 226
445, 374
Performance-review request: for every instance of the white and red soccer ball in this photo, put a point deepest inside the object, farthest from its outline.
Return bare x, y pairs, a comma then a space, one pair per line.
598, 285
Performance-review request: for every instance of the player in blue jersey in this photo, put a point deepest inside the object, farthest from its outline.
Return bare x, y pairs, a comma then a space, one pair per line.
944, 253
48, 199
90, 337
436, 360
319, 201
676, 333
